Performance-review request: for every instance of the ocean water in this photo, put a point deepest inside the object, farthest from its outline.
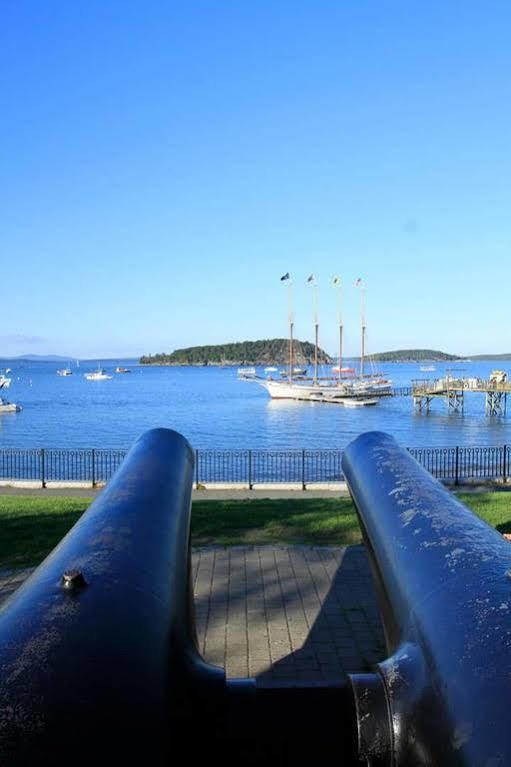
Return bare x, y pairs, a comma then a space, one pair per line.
213, 409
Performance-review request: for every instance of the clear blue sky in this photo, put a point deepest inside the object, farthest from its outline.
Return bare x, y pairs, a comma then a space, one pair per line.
163, 163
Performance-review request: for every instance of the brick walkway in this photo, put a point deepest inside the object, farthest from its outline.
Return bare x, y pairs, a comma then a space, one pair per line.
281, 614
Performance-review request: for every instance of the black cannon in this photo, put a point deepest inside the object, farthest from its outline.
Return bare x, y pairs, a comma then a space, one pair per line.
98, 655
444, 582
99, 663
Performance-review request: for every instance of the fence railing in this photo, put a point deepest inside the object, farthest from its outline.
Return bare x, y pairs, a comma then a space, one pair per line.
248, 467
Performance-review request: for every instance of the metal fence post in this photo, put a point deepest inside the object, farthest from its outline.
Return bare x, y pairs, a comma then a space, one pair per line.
504, 465
456, 478
43, 479
93, 468
250, 485
303, 469
196, 468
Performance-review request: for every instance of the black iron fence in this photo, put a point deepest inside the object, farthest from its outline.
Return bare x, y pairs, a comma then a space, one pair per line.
248, 467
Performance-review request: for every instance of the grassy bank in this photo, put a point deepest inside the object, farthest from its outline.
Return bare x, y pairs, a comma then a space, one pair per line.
30, 527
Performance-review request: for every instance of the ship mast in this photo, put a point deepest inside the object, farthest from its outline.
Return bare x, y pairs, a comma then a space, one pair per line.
291, 317
337, 282
363, 324
316, 324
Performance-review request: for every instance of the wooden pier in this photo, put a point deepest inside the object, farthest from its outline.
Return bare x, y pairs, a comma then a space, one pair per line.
452, 391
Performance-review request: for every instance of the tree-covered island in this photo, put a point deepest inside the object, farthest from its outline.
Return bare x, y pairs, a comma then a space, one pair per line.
274, 351
414, 355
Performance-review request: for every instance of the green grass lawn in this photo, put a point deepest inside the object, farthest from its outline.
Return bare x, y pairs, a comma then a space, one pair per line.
30, 527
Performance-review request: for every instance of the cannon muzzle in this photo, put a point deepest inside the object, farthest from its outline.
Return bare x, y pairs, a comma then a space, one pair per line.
444, 583
98, 654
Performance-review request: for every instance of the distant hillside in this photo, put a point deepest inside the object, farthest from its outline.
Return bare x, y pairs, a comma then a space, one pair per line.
39, 358
273, 351
414, 355
491, 356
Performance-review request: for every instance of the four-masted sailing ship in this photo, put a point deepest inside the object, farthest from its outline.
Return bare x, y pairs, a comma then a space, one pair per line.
349, 390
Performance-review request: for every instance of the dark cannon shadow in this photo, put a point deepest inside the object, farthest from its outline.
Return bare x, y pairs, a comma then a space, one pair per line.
298, 619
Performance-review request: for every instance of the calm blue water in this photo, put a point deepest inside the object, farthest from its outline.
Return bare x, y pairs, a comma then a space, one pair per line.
213, 409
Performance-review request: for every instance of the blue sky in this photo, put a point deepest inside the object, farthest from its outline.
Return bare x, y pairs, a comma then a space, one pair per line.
163, 164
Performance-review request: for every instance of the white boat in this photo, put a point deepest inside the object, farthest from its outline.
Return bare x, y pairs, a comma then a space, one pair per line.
8, 407
65, 372
247, 372
98, 375
270, 370
305, 391
4, 382
122, 370
374, 386
340, 394
300, 371
359, 402
427, 368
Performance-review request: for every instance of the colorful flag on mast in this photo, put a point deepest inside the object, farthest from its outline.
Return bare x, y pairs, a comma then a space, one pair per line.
285, 276
336, 280
358, 283
310, 278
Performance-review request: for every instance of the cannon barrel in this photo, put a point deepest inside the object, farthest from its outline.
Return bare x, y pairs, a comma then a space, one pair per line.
98, 654
444, 584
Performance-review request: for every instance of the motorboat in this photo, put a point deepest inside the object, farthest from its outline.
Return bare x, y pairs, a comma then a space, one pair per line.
427, 368
359, 401
8, 407
4, 381
65, 372
247, 372
270, 370
122, 370
98, 375
374, 386
300, 371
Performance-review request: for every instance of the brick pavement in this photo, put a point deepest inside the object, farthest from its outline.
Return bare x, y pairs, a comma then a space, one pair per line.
281, 614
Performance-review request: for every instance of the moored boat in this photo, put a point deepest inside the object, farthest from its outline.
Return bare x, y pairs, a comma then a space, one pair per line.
249, 372
8, 407
98, 375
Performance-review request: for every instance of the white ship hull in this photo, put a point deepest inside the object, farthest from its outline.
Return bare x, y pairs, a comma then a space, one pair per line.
343, 394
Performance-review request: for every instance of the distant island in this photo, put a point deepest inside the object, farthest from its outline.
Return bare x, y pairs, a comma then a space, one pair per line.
415, 355
38, 358
491, 356
274, 351
430, 355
